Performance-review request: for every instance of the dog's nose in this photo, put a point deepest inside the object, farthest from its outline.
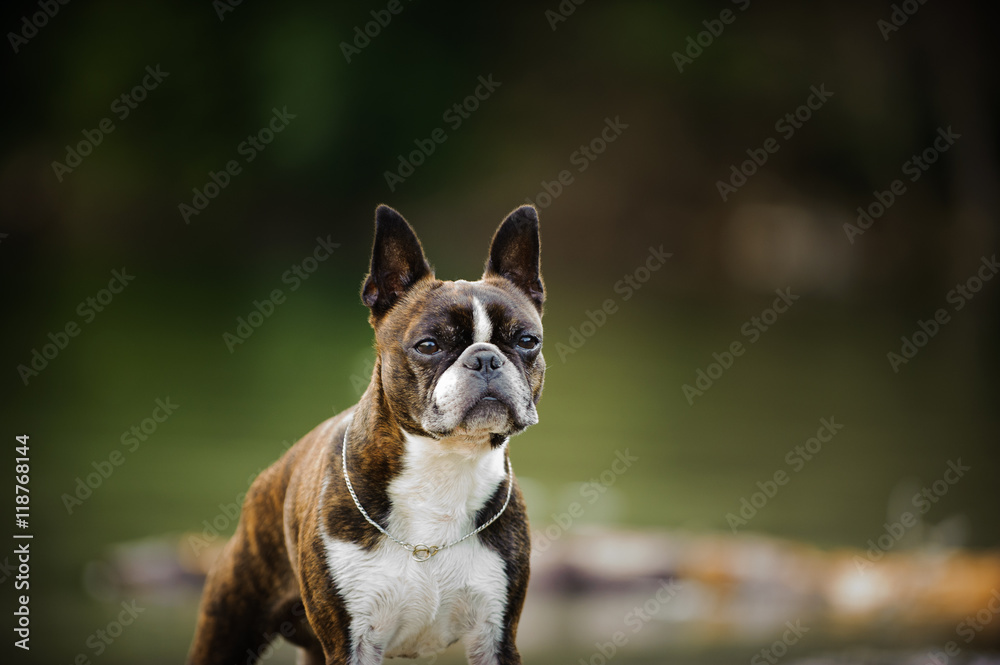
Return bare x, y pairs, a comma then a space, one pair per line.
484, 361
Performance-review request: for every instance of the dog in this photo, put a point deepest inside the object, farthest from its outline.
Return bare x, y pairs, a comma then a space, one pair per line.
397, 528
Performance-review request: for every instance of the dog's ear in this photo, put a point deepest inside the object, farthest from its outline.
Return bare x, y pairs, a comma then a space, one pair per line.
398, 262
515, 254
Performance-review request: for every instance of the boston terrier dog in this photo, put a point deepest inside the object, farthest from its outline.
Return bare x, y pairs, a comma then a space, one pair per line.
397, 528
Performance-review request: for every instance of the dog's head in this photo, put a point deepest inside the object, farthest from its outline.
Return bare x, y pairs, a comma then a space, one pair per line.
458, 358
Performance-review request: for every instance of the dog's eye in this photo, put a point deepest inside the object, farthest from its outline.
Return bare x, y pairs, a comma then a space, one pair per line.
428, 347
527, 342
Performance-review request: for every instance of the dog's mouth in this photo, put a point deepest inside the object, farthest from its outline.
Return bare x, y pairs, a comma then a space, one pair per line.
490, 402
490, 413
479, 408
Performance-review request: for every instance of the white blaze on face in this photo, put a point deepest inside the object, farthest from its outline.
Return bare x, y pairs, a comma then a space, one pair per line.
449, 395
483, 328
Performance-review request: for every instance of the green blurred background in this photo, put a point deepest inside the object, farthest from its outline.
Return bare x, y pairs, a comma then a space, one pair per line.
654, 186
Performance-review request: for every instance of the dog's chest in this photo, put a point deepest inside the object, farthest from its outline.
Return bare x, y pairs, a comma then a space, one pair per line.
401, 607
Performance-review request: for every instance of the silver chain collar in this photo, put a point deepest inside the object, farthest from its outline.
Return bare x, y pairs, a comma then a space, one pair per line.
420, 552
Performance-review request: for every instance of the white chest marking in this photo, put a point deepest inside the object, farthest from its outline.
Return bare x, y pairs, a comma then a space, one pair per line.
482, 327
401, 607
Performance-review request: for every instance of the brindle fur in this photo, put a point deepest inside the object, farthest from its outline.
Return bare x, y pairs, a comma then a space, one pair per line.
272, 577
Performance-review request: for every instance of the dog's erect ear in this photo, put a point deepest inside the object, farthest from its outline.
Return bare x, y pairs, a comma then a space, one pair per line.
398, 262
514, 254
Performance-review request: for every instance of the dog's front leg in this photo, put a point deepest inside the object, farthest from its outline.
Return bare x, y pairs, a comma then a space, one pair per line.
361, 644
367, 650
491, 644
364, 650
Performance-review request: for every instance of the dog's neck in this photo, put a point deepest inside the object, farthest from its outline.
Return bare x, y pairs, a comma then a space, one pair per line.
442, 487
435, 486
